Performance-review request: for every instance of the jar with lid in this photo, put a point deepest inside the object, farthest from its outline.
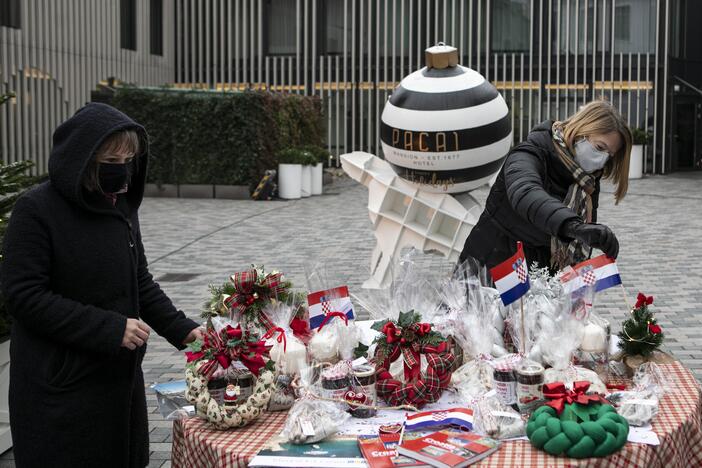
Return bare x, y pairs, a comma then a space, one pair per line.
364, 383
530, 380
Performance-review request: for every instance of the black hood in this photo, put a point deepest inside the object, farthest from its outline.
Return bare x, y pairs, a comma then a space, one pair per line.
75, 143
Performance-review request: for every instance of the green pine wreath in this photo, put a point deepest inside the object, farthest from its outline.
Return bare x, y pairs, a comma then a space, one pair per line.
580, 431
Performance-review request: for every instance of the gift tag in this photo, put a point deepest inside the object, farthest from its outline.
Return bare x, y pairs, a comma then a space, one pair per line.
359, 362
306, 427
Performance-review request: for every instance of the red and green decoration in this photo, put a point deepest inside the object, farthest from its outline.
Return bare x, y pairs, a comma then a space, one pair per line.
409, 338
223, 348
576, 424
641, 334
247, 293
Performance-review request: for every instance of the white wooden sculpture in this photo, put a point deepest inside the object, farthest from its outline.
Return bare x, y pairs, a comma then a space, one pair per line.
404, 216
444, 131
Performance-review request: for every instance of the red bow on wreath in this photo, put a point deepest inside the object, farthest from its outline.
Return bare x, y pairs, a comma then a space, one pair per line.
216, 350
560, 396
405, 340
249, 288
642, 300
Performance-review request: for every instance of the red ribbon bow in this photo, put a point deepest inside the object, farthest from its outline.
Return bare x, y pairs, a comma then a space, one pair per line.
281, 336
249, 353
408, 347
560, 396
248, 288
655, 329
642, 300
331, 315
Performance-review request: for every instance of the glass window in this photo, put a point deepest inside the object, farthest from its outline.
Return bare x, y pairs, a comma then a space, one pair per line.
128, 39
10, 14
509, 25
334, 26
156, 19
281, 16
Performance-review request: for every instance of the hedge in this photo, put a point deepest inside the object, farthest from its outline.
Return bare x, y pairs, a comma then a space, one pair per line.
206, 137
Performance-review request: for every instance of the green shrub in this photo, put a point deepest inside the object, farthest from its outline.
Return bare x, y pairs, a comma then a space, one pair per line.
641, 136
206, 137
13, 182
320, 154
296, 156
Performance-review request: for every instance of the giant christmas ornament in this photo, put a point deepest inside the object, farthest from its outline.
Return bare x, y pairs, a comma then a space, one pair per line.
445, 128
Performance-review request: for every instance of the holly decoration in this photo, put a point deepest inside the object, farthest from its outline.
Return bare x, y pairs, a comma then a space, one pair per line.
406, 329
641, 334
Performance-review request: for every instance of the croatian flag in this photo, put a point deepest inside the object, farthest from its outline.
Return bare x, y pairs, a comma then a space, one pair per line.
600, 271
511, 277
461, 417
322, 303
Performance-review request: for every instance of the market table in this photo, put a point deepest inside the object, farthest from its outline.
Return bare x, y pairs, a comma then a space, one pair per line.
678, 426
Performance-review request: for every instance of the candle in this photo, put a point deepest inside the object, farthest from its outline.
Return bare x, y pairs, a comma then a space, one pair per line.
289, 359
594, 338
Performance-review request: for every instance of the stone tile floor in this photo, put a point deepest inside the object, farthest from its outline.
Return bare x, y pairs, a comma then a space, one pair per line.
658, 225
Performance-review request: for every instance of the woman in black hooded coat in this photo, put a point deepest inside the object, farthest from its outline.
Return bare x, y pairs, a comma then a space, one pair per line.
76, 282
547, 193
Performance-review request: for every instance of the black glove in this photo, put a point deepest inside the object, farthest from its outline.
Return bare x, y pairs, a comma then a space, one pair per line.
593, 235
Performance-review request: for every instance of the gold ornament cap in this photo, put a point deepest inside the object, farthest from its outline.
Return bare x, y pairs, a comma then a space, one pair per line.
441, 56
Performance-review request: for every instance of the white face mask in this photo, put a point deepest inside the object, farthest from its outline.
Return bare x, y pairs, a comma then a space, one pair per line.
590, 158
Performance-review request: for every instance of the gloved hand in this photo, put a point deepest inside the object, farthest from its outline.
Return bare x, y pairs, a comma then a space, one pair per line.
594, 235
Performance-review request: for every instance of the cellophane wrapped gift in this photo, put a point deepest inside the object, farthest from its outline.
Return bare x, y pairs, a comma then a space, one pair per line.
495, 419
287, 351
331, 315
639, 405
312, 418
559, 340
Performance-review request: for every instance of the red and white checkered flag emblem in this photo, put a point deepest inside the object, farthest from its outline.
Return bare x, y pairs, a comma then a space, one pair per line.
440, 416
326, 306
589, 278
520, 268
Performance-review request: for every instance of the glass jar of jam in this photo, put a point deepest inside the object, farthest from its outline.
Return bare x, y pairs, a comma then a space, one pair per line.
530, 381
364, 383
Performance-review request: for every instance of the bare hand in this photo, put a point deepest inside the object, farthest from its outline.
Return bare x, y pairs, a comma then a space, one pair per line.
195, 334
135, 334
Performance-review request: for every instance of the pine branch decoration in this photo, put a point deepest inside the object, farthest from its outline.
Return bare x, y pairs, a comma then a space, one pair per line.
641, 334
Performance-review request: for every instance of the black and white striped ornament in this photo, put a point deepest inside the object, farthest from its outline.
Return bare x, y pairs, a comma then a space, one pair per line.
445, 129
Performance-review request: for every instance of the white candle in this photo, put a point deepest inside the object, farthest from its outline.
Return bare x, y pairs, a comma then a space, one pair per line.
594, 338
289, 359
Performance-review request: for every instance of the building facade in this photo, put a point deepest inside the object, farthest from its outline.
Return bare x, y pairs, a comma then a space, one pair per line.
547, 57
54, 52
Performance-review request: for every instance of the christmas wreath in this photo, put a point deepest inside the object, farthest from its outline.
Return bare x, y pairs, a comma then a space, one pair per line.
246, 294
411, 339
221, 350
576, 424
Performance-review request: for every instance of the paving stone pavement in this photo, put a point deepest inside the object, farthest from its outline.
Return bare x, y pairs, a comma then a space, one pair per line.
658, 225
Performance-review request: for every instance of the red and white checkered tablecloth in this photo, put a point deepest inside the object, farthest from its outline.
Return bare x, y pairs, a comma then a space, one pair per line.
678, 426
196, 444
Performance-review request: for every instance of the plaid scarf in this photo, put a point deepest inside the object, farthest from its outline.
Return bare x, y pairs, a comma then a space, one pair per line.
578, 199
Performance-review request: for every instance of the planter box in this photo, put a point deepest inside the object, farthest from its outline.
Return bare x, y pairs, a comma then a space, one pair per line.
165, 190
306, 181
196, 191
636, 162
317, 179
232, 192
5, 436
289, 181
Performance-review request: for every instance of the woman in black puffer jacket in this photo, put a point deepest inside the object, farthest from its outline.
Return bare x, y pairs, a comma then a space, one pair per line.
546, 194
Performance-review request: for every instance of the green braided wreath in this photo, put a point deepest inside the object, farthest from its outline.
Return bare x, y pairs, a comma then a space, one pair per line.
601, 432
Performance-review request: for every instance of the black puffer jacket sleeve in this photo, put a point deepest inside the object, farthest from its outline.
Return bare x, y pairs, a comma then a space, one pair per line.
26, 268
525, 175
156, 308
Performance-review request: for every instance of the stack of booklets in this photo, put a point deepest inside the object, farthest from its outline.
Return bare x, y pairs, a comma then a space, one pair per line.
445, 449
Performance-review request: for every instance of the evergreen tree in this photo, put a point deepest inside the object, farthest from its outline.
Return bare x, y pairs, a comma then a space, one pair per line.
641, 334
14, 180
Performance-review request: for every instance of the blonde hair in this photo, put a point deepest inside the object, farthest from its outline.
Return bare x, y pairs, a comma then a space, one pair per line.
600, 117
123, 142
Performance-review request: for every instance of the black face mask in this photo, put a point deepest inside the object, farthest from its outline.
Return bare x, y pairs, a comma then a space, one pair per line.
114, 177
